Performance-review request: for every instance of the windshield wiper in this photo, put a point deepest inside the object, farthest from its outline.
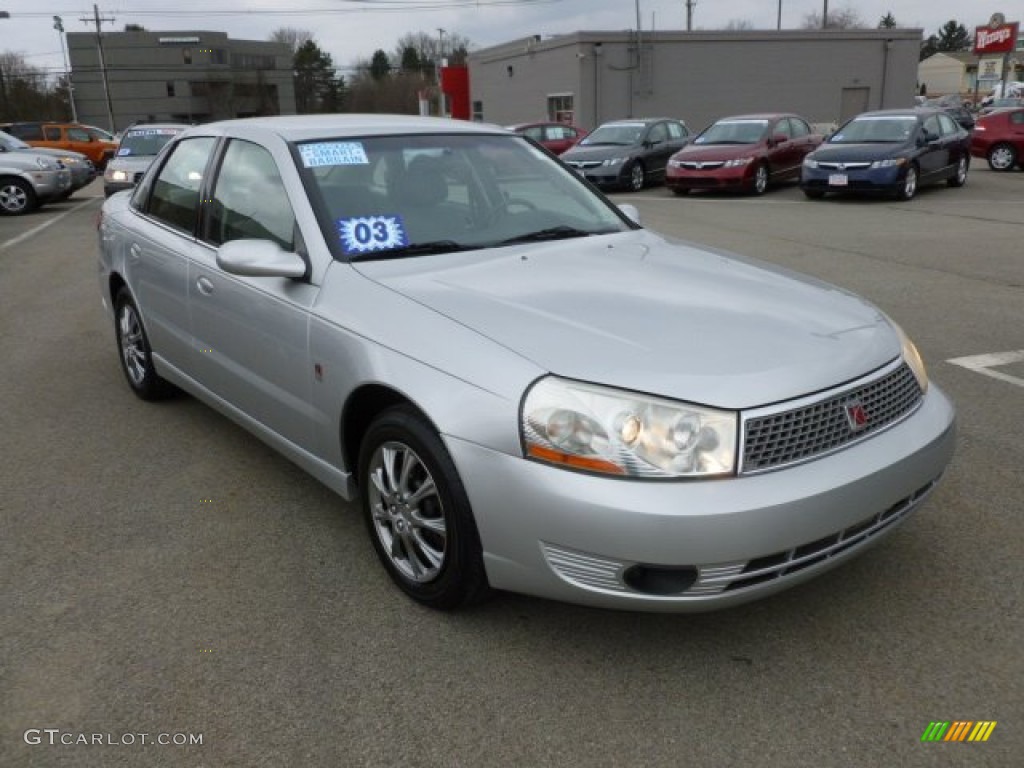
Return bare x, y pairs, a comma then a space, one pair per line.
413, 249
561, 232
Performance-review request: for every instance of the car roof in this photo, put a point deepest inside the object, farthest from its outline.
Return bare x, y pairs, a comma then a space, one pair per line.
759, 116
918, 112
306, 127
145, 126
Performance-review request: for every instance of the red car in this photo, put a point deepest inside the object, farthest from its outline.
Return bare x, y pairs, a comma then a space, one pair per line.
745, 152
556, 137
999, 138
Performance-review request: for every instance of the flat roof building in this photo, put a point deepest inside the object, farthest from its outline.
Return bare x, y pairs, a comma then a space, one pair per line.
179, 76
592, 77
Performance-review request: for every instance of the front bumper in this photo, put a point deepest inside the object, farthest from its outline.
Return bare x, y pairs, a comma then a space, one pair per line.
739, 177
581, 538
606, 177
51, 184
864, 181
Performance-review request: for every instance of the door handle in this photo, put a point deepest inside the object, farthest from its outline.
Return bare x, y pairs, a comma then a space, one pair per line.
135, 252
205, 285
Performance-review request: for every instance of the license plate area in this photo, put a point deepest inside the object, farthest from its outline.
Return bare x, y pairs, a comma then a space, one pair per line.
838, 180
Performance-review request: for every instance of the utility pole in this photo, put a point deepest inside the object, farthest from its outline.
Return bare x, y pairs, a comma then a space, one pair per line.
58, 24
103, 66
440, 65
689, 14
824, 16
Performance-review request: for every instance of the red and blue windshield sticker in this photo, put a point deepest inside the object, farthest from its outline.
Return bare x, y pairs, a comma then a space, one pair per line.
367, 234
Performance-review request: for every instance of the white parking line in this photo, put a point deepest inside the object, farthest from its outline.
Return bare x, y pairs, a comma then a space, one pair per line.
49, 223
984, 364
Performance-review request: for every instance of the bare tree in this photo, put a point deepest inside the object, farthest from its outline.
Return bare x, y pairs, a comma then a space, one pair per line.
294, 38
840, 18
739, 25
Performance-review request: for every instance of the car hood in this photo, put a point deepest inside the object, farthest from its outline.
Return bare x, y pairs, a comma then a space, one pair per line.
637, 311
50, 152
855, 152
580, 153
712, 152
131, 163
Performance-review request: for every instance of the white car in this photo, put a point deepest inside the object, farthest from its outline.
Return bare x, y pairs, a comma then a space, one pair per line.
28, 179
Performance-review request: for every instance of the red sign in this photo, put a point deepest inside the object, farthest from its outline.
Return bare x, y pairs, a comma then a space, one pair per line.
999, 39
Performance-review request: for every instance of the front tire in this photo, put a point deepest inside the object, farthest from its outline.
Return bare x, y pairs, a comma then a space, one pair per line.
417, 512
135, 353
760, 185
1002, 157
16, 197
637, 177
909, 187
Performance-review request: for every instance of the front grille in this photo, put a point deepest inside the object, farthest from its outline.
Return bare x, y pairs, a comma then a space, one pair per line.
584, 163
843, 166
803, 433
701, 166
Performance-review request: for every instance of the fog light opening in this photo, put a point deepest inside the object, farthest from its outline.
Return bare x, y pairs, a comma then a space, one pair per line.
660, 579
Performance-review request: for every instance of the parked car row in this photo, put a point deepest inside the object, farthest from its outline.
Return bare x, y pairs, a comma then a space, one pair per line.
883, 152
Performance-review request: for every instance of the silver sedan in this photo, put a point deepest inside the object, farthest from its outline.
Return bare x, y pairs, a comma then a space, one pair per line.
525, 388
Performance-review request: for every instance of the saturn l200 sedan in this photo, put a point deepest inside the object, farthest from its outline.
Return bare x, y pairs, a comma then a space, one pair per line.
525, 389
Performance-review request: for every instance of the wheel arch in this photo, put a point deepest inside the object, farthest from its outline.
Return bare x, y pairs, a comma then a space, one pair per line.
365, 404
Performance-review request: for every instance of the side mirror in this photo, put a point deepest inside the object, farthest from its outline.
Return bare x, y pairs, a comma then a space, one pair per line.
631, 212
259, 258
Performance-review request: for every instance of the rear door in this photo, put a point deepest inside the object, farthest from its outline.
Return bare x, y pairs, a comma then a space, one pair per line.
158, 243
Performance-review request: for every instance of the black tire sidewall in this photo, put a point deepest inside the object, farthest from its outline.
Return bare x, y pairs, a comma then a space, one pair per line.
462, 580
152, 387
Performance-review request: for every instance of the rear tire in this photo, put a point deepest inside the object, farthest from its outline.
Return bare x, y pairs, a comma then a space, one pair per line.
135, 353
1002, 157
418, 514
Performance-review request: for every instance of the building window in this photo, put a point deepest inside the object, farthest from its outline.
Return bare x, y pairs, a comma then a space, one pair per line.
560, 108
170, 88
478, 111
219, 56
186, 55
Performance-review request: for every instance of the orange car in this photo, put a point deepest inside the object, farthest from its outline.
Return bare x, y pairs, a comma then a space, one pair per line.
78, 138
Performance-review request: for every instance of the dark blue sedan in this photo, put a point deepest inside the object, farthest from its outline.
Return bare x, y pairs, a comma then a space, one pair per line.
892, 151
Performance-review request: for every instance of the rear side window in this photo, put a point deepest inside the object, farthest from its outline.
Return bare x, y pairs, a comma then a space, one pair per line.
175, 196
78, 134
677, 130
52, 133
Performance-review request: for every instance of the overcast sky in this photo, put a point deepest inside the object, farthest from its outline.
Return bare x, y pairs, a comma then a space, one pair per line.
353, 29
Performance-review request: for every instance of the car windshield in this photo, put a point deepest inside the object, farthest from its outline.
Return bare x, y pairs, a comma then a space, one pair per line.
145, 142
876, 130
623, 134
401, 196
98, 134
734, 132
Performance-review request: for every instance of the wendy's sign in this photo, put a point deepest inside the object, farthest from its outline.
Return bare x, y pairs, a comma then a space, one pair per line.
995, 37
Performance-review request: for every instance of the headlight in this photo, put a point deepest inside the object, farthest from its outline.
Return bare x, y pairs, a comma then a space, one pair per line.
810, 162
614, 161
614, 432
892, 162
46, 165
739, 161
913, 359
69, 160
112, 175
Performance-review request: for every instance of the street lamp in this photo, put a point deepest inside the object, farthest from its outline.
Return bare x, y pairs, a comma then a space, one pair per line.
58, 24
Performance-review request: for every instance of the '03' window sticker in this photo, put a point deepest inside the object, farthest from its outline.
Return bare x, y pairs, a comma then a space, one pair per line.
365, 234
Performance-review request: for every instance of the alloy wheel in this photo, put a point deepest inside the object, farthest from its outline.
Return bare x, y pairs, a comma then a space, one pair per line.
133, 345
1002, 158
13, 198
407, 514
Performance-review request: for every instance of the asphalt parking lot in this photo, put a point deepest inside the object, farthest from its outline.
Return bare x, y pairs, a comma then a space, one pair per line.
166, 574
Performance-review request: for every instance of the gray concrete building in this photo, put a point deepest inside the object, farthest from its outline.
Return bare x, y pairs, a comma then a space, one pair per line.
591, 77
181, 76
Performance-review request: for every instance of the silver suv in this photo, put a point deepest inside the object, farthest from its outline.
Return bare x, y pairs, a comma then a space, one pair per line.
28, 179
